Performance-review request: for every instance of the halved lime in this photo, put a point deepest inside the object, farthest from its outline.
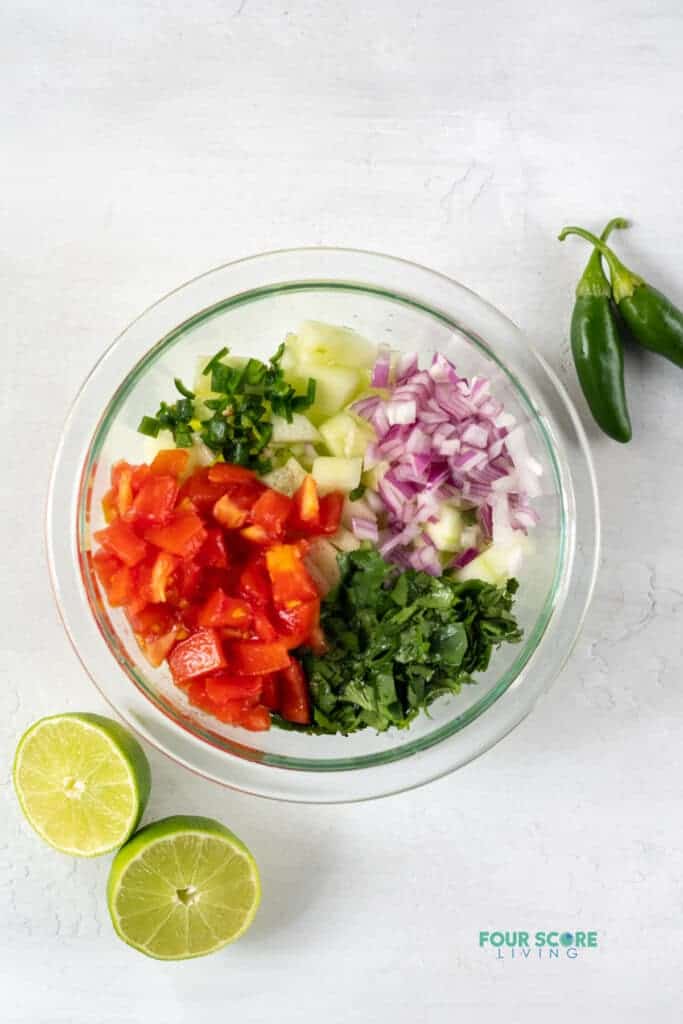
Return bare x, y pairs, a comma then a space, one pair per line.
183, 887
82, 781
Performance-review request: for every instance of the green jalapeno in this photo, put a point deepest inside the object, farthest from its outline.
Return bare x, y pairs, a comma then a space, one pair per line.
597, 349
654, 321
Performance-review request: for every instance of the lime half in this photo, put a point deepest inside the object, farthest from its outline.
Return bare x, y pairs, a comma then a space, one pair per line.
82, 782
183, 887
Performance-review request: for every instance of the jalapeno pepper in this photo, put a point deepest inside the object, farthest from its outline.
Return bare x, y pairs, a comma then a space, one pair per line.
652, 319
597, 348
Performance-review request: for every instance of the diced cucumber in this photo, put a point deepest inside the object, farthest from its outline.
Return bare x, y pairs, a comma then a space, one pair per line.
287, 479
344, 540
497, 563
299, 431
326, 345
372, 477
447, 530
346, 436
335, 386
333, 474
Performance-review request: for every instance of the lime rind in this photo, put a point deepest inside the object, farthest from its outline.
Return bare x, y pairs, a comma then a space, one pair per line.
183, 887
96, 760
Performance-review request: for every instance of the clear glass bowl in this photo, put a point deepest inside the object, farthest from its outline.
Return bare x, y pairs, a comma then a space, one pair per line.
250, 306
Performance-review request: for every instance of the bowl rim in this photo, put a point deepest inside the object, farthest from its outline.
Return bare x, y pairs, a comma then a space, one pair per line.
364, 763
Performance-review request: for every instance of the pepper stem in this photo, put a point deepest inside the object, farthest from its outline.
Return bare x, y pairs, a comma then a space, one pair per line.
593, 281
624, 281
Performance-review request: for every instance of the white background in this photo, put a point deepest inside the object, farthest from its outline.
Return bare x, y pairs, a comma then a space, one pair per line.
145, 141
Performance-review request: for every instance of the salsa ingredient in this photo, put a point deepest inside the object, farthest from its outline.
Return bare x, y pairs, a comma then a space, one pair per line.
597, 347
82, 781
399, 640
211, 570
653, 320
236, 422
444, 440
182, 887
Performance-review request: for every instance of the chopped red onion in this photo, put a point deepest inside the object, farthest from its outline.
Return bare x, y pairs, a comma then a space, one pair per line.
365, 529
380, 374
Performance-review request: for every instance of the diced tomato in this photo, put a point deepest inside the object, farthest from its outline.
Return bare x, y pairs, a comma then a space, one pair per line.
228, 514
221, 610
245, 496
263, 628
153, 620
120, 539
256, 719
270, 692
295, 704
306, 503
330, 512
196, 694
291, 582
213, 551
182, 535
298, 622
154, 577
110, 506
200, 491
271, 512
155, 501
230, 711
121, 589
122, 480
105, 565
254, 583
173, 461
226, 473
200, 654
158, 649
140, 474
225, 687
185, 583
254, 658
256, 535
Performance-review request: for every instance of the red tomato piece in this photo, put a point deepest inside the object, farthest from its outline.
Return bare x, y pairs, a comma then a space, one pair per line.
182, 535
173, 461
254, 583
120, 539
157, 649
121, 589
330, 512
295, 705
271, 512
256, 658
225, 687
256, 535
297, 623
200, 654
270, 692
289, 577
228, 514
155, 501
263, 627
122, 481
317, 641
221, 610
110, 508
306, 503
154, 579
256, 719
226, 473
196, 694
105, 565
213, 551
200, 491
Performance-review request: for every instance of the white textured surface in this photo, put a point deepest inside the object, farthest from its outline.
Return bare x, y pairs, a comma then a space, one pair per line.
144, 141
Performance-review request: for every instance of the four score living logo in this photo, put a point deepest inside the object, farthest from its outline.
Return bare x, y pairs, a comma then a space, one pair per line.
554, 945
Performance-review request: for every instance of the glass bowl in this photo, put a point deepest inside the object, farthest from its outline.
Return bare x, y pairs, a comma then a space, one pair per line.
250, 306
